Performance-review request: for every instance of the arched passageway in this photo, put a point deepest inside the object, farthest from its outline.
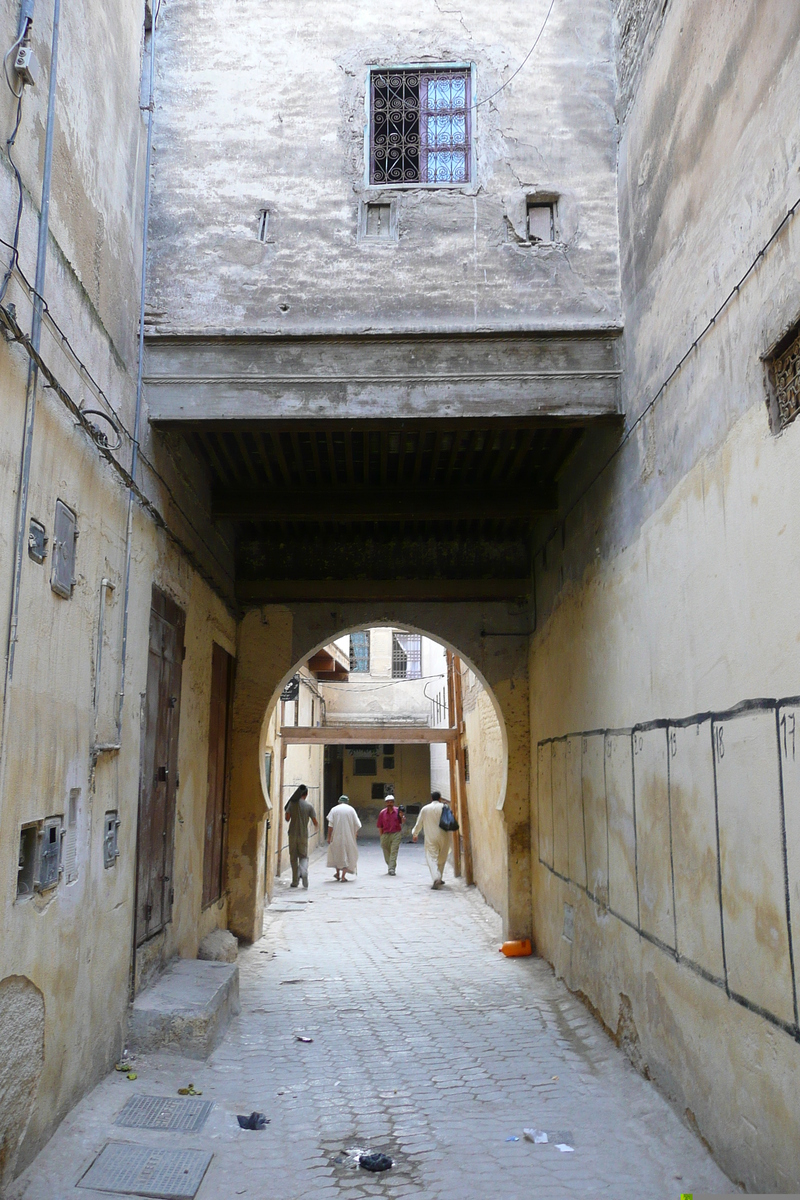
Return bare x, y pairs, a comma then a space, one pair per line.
273, 640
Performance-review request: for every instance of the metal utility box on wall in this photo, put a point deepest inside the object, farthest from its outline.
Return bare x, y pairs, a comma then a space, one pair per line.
110, 839
50, 854
39, 862
65, 536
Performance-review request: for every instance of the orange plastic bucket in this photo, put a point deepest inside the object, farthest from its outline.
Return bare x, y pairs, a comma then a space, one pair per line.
517, 949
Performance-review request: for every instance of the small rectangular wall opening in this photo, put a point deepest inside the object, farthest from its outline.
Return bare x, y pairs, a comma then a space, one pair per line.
541, 221
377, 222
28, 854
263, 224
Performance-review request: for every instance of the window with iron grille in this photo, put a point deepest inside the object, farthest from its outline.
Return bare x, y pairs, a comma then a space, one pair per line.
406, 655
420, 126
365, 766
359, 651
783, 366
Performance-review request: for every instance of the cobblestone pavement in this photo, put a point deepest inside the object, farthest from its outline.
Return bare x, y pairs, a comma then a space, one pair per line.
427, 1044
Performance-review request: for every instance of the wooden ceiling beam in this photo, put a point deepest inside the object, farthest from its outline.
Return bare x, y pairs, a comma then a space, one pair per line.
364, 735
382, 504
285, 591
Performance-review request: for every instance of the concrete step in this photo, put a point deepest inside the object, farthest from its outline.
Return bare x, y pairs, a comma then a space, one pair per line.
187, 1010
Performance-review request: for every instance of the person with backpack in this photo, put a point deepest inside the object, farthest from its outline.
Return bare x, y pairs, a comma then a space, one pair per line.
437, 822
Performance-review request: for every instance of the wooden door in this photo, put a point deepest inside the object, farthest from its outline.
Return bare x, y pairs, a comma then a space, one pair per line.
218, 764
159, 777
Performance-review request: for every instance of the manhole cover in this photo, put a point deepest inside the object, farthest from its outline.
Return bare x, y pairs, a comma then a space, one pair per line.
143, 1171
180, 1114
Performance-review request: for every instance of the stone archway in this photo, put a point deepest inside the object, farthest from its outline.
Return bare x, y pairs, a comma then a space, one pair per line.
492, 638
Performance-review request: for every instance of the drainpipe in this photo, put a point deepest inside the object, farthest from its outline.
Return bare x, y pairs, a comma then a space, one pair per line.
139, 373
99, 748
134, 462
33, 371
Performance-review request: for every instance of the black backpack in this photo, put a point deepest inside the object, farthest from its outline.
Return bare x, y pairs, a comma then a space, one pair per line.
447, 821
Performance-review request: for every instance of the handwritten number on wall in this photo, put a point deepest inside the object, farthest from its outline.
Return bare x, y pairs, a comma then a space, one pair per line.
788, 724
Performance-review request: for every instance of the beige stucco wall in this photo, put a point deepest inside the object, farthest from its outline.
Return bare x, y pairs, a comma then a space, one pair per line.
484, 741
73, 943
410, 780
668, 594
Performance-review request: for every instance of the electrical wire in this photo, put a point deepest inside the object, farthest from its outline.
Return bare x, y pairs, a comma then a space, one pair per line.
87, 377
684, 358
502, 87
13, 246
8, 319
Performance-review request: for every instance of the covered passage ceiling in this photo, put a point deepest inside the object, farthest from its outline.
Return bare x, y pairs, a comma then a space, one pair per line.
348, 476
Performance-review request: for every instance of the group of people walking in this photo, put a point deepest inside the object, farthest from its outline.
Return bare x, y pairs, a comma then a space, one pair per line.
435, 821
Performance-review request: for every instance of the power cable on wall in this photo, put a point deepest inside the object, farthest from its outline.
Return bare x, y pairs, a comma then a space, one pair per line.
116, 421
503, 86
7, 319
10, 140
652, 403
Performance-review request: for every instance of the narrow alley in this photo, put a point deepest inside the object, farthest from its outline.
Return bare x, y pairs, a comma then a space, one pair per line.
427, 1045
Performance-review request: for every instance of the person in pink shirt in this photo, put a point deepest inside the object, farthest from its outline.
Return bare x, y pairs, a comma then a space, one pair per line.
390, 827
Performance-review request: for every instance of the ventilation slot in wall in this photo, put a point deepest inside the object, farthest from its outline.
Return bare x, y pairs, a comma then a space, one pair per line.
71, 836
263, 224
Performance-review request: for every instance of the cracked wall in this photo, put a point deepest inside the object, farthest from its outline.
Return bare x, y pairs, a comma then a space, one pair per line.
263, 107
667, 596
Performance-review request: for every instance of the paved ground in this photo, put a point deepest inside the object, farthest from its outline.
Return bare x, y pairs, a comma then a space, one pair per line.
427, 1044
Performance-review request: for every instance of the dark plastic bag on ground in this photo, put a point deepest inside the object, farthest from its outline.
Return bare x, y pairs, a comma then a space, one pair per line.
256, 1120
447, 820
375, 1162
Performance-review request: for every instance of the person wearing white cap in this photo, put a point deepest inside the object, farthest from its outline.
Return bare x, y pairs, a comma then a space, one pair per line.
390, 827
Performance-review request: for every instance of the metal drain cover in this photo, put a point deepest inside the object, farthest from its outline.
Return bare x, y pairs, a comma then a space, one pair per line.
181, 1114
144, 1171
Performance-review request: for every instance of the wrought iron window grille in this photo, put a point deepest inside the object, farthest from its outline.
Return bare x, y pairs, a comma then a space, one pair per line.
406, 655
420, 126
783, 367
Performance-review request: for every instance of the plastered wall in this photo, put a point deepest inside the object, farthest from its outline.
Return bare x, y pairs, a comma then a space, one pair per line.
69, 949
484, 742
666, 829
263, 107
410, 779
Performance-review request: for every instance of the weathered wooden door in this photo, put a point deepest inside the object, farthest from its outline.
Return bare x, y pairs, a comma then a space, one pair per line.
217, 800
159, 779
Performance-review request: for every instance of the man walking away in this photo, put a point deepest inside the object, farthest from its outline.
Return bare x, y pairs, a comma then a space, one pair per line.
343, 827
437, 841
390, 826
298, 813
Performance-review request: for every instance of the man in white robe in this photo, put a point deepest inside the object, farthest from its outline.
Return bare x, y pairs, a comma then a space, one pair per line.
437, 841
343, 827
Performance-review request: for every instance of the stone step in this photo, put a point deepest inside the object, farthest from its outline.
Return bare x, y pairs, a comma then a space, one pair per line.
187, 1010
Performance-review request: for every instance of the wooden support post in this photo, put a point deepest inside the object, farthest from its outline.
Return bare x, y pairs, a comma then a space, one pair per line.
463, 819
451, 761
280, 791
